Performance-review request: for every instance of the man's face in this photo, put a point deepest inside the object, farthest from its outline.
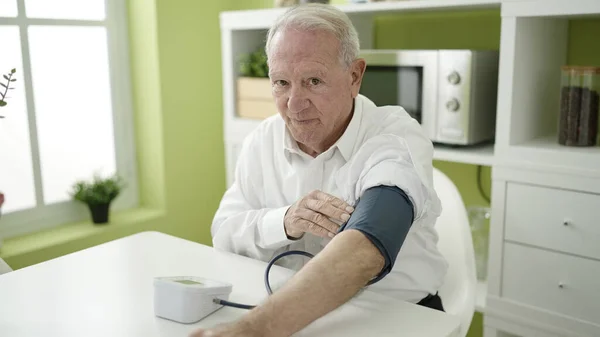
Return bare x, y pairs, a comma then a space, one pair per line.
313, 90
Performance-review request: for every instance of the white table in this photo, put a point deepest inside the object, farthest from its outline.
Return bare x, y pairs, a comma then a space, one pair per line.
108, 291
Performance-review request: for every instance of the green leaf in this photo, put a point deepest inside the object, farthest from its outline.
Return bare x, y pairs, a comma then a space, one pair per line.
13, 80
98, 191
5, 77
13, 70
245, 69
2, 103
2, 84
254, 64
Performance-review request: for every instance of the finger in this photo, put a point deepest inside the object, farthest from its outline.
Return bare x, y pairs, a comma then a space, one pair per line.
199, 333
313, 228
318, 219
327, 209
335, 201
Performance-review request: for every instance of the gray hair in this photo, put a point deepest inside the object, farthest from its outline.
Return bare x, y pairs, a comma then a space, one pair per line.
319, 17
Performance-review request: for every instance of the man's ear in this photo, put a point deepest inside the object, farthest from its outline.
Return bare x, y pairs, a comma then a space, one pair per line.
357, 70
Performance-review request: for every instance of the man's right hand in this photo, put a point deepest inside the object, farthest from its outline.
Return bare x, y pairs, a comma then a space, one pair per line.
312, 214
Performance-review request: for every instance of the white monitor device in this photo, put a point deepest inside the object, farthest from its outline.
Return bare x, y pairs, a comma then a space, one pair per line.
187, 299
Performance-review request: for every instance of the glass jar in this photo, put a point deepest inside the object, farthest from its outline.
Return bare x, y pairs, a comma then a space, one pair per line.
479, 220
578, 122
590, 99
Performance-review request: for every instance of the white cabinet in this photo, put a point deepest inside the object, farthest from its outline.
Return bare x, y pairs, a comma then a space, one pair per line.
544, 275
559, 283
555, 219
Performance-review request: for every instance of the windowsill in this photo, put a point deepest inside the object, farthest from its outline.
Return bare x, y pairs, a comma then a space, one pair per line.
119, 222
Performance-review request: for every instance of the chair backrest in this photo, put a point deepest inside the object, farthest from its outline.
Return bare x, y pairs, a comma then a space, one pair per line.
456, 245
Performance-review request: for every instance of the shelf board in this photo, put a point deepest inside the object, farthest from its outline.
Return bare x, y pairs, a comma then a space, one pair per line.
550, 144
551, 8
476, 155
418, 5
264, 18
546, 152
480, 296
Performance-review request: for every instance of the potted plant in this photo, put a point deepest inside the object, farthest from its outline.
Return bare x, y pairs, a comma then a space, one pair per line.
4, 88
1, 203
97, 195
254, 99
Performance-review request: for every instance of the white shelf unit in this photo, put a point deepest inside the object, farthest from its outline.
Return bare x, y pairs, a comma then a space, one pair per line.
533, 47
527, 158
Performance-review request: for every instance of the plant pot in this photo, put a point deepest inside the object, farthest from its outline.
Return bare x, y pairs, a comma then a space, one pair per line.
99, 213
254, 98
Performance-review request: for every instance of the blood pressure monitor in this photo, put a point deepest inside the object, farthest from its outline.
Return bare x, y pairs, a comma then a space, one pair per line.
187, 299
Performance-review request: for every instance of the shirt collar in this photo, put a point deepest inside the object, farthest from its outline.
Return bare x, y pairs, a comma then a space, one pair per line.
345, 144
289, 143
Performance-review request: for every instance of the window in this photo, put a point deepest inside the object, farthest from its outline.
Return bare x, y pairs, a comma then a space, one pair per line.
69, 116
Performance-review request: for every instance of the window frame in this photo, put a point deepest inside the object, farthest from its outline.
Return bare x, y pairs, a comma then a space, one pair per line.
44, 216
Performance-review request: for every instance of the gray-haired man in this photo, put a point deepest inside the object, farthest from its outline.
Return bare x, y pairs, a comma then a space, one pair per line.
333, 175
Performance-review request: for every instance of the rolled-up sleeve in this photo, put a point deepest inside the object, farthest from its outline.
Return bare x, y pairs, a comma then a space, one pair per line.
392, 160
240, 224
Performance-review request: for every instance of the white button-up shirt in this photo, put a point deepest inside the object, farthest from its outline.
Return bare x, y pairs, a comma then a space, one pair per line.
380, 146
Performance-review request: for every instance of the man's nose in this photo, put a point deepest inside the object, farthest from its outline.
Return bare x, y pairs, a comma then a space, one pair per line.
298, 100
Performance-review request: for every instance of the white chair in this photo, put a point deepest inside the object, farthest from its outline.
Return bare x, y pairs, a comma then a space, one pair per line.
456, 245
4, 268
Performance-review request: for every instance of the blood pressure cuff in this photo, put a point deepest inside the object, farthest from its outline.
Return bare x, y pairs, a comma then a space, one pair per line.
384, 214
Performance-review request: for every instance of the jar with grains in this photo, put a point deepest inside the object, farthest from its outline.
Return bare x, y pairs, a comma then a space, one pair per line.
579, 103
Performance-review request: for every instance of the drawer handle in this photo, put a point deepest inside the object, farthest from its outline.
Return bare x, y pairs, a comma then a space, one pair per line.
566, 222
561, 285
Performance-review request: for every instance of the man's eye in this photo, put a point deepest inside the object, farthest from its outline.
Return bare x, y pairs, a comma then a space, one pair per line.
315, 81
280, 83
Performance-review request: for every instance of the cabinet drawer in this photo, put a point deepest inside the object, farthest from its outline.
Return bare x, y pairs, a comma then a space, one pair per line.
557, 282
556, 219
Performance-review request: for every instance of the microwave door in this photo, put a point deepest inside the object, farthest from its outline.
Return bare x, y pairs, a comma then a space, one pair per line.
404, 78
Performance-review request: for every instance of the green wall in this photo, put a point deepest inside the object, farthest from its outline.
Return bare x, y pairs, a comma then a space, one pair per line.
192, 114
584, 48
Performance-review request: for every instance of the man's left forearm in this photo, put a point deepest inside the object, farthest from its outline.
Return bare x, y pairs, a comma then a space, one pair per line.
329, 280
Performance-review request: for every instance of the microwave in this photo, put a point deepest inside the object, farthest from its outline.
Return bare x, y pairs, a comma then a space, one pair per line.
451, 93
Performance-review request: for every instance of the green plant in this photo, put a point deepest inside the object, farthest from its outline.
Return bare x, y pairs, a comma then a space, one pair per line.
9, 79
99, 191
254, 64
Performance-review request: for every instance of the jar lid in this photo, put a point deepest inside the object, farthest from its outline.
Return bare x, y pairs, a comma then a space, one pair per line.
590, 70
581, 69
